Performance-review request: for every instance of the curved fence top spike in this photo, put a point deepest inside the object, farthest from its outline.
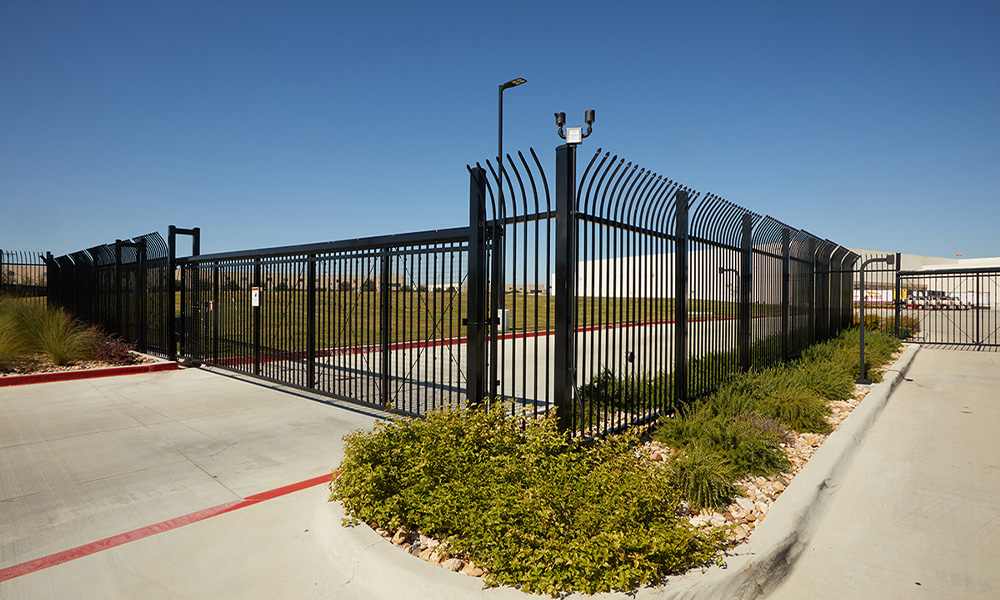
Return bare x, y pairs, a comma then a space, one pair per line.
731, 223
619, 190
513, 193
155, 246
531, 181
545, 182
582, 198
768, 234
592, 170
499, 212
664, 207
604, 183
700, 213
81, 259
627, 194
637, 194
103, 255
648, 208
644, 190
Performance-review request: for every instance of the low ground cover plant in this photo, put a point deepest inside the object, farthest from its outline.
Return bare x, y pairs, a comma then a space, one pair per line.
742, 426
541, 511
534, 508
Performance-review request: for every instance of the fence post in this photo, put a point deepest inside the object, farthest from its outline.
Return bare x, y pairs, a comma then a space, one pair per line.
171, 293
786, 281
384, 324
497, 302
215, 313
51, 279
255, 311
2, 274
118, 287
898, 299
565, 267
311, 321
746, 280
680, 298
475, 388
141, 293
812, 290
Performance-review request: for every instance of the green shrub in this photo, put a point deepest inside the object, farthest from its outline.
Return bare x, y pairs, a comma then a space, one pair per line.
872, 321
704, 478
908, 326
536, 510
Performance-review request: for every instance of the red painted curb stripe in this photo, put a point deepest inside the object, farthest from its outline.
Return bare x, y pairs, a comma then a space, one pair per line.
86, 374
143, 532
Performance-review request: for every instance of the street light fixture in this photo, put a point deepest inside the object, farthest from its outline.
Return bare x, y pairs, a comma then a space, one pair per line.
503, 86
890, 260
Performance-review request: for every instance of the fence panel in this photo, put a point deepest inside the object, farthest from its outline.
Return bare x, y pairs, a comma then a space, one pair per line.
24, 275
377, 320
518, 264
120, 286
955, 307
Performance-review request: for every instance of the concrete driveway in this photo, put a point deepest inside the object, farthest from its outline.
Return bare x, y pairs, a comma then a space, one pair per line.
131, 462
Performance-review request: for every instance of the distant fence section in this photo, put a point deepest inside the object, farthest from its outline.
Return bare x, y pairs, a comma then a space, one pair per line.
608, 297
23, 274
124, 287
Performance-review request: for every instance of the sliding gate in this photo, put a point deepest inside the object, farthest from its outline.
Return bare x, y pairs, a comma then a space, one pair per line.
954, 307
374, 320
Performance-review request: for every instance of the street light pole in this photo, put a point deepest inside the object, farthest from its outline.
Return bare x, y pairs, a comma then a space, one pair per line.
503, 86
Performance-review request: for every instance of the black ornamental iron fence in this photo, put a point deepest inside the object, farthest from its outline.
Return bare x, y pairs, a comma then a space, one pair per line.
608, 298
23, 274
123, 287
373, 320
948, 307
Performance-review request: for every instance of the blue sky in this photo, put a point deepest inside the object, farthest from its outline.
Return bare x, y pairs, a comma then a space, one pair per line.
873, 124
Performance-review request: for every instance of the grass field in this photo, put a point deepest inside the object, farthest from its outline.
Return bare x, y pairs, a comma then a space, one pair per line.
353, 318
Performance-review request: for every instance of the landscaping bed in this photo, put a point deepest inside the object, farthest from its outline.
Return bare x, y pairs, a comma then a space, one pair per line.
42, 343
520, 504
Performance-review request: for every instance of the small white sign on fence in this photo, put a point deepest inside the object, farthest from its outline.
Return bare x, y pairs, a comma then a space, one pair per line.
255, 297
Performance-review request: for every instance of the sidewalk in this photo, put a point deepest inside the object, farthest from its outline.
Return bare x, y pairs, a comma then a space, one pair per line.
918, 514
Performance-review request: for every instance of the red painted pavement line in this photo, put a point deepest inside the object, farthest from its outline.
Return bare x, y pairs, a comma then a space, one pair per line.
86, 374
143, 532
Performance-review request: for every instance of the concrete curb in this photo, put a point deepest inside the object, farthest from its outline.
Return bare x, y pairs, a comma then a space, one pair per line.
757, 567
12, 380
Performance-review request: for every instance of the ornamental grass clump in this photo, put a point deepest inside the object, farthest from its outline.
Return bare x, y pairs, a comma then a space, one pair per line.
528, 504
15, 348
50, 331
739, 430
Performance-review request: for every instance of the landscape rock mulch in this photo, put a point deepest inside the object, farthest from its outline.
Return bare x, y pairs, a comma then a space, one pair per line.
41, 364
